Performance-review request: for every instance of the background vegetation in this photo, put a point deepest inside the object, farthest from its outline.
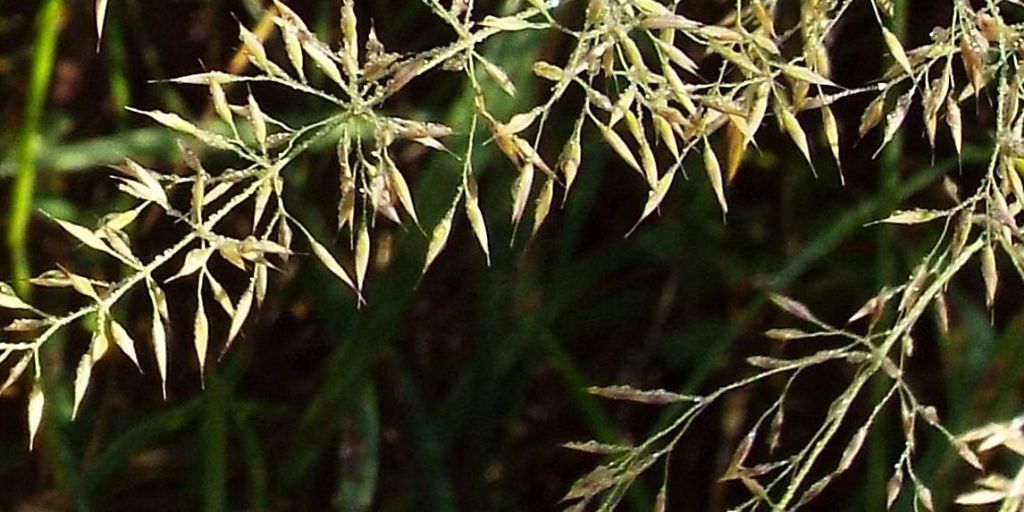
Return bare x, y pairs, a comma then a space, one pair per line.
454, 391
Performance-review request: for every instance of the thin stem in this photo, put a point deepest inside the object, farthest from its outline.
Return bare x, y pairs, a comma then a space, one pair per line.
48, 26
862, 378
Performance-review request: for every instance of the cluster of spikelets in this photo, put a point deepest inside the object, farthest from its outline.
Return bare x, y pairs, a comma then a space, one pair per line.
996, 488
639, 65
977, 226
371, 185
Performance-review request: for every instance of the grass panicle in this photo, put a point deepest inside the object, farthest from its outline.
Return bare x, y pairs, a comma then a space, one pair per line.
663, 91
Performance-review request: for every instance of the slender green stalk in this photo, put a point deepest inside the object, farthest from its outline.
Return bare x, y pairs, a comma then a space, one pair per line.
214, 443
47, 28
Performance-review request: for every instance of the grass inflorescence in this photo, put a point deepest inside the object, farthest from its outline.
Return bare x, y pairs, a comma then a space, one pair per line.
664, 90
